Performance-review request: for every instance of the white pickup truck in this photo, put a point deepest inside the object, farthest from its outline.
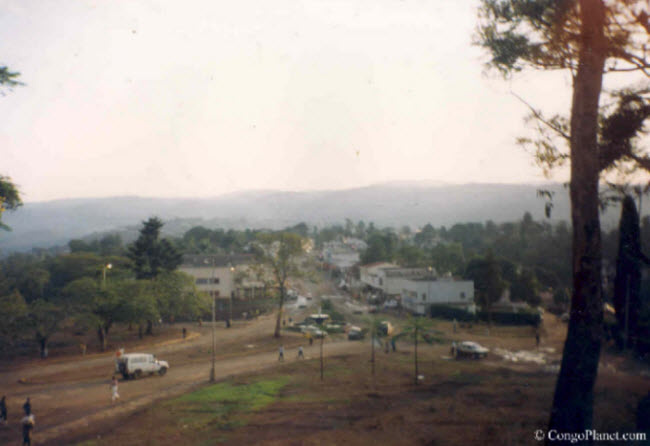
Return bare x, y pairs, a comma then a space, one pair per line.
134, 365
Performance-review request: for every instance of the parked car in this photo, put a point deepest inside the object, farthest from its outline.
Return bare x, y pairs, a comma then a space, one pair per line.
471, 349
355, 333
134, 365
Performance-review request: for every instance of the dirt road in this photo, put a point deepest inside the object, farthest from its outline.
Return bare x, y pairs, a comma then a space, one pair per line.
71, 395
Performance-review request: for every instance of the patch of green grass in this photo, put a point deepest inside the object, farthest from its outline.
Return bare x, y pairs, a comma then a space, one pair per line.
250, 397
466, 378
314, 398
222, 403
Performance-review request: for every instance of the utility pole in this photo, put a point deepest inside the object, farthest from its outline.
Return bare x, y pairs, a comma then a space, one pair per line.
214, 339
232, 292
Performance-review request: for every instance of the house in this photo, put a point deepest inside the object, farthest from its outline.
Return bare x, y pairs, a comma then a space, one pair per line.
419, 294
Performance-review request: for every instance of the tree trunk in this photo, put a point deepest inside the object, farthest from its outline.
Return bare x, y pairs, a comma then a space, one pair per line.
572, 409
42, 344
149, 327
278, 322
321, 357
372, 354
101, 334
140, 331
416, 356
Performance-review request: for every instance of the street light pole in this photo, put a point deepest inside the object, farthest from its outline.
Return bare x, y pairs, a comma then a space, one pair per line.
214, 339
232, 292
104, 268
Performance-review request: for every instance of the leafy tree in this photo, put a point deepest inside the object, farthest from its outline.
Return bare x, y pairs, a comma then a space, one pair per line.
150, 254
9, 195
411, 257
98, 307
382, 246
44, 319
25, 273
488, 283
12, 318
589, 38
376, 250
525, 288
360, 231
9, 78
448, 257
426, 237
138, 303
111, 245
301, 229
176, 296
279, 252
417, 328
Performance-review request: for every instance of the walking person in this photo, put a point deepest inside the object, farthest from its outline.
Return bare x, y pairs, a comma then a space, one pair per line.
114, 395
281, 353
28, 423
301, 355
3, 410
27, 407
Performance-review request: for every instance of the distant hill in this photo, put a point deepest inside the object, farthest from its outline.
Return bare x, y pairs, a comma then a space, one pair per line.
52, 223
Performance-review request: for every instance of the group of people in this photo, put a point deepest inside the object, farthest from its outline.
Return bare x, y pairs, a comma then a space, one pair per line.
301, 354
27, 422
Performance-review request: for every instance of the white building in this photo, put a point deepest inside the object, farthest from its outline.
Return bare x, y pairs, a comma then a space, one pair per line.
388, 279
373, 274
418, 295
222, 276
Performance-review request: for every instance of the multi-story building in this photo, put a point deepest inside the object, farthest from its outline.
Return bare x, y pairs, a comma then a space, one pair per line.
223, 276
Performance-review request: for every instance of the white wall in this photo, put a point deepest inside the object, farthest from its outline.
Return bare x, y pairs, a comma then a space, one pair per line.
226, 279
417, 295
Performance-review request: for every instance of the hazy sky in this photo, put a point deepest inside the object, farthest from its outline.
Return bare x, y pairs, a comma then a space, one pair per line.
200, 98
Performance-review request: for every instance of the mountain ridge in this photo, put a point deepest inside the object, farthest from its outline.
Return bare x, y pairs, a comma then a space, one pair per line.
50, 223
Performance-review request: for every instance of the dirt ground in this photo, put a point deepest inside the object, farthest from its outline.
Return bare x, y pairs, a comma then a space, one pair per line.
493, 401
467, 402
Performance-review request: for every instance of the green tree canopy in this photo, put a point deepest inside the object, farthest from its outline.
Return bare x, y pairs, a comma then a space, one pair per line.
9, 195
150, 254
488, 283
279, 252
